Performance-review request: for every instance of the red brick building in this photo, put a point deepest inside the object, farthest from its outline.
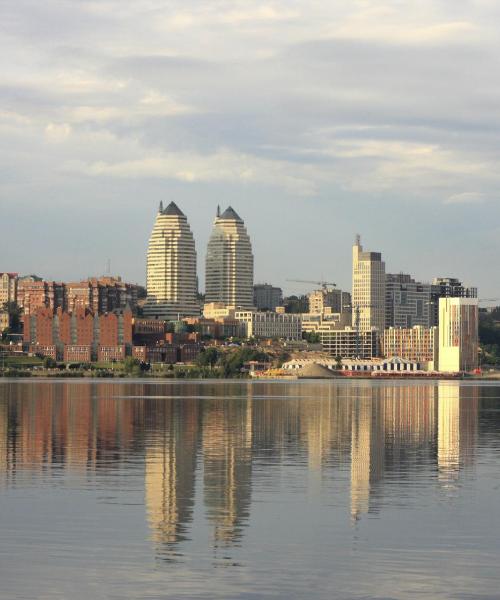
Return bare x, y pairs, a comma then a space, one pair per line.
77, 353
111, 353
80, 328
41, 350
100, 295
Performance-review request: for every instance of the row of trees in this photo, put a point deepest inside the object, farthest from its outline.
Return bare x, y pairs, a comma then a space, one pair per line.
230, 363
489, 336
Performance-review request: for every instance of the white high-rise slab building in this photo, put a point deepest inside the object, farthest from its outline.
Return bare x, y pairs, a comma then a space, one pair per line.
368, 288
458, 334
229, 262
171, 267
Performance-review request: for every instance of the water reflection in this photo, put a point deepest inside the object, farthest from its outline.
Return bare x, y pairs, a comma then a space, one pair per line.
206, 446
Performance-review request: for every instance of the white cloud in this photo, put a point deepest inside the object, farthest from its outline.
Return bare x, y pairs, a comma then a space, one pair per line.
57, 132
465, 198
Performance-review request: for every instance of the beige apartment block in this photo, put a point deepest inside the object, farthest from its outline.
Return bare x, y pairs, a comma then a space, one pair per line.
328, 300
4, 320
229, 262
8, 288
217, 310
314, 322
171, 267
271, 324
368, 288
418, 344
345, 342
458, 334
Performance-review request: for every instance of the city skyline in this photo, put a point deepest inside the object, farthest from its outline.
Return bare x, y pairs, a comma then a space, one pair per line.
296, 288
314, 121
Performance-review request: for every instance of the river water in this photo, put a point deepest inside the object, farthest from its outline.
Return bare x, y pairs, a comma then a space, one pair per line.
222, 489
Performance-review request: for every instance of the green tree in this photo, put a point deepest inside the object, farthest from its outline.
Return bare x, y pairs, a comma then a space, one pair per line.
312, 337
132, 366
208, 357
49, 362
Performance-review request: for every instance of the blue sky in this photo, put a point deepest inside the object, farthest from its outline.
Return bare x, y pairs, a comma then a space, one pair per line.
315, 120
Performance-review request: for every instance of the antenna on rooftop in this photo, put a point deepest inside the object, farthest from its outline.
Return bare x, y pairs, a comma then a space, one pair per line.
218, 210
108, 267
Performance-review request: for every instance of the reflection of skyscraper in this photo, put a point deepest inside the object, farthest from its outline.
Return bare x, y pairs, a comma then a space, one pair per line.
227, 447
457, 428
170, 470
361, 442
3, 439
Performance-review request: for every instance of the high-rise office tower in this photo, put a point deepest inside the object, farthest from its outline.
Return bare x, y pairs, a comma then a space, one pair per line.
229, 263
171, 267
368, 288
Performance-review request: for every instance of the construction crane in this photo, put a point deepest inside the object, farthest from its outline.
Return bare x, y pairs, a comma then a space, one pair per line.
323, 284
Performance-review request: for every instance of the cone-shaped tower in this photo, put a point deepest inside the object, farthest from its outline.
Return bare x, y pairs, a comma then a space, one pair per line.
171, 267
229, 263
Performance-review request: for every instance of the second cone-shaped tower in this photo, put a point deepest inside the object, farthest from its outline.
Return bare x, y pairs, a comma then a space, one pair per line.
229, 262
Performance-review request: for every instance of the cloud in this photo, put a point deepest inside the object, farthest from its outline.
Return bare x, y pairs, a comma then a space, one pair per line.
465, 198
57, 132
333, 102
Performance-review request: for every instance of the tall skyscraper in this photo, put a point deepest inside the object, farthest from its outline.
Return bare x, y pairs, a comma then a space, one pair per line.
368, 288
171, 267
229, 263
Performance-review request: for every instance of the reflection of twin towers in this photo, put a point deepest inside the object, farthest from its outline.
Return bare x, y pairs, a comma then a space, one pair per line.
223, 433
208, 448
383, 432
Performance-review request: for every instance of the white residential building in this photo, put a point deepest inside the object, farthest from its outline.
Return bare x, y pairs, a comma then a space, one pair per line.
458, 334
271, 324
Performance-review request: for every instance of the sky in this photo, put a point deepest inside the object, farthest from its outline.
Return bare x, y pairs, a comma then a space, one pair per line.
315, 120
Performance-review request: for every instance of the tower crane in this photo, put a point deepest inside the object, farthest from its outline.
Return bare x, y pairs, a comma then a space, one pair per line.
323, 284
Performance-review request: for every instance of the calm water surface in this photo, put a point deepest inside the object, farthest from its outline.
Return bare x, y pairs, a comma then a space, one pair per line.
154, 490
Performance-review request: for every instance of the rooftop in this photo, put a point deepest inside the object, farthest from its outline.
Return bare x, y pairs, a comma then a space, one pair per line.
230, 215
172, 209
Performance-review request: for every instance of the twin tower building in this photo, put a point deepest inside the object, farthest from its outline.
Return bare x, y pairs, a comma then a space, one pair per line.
172, 283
